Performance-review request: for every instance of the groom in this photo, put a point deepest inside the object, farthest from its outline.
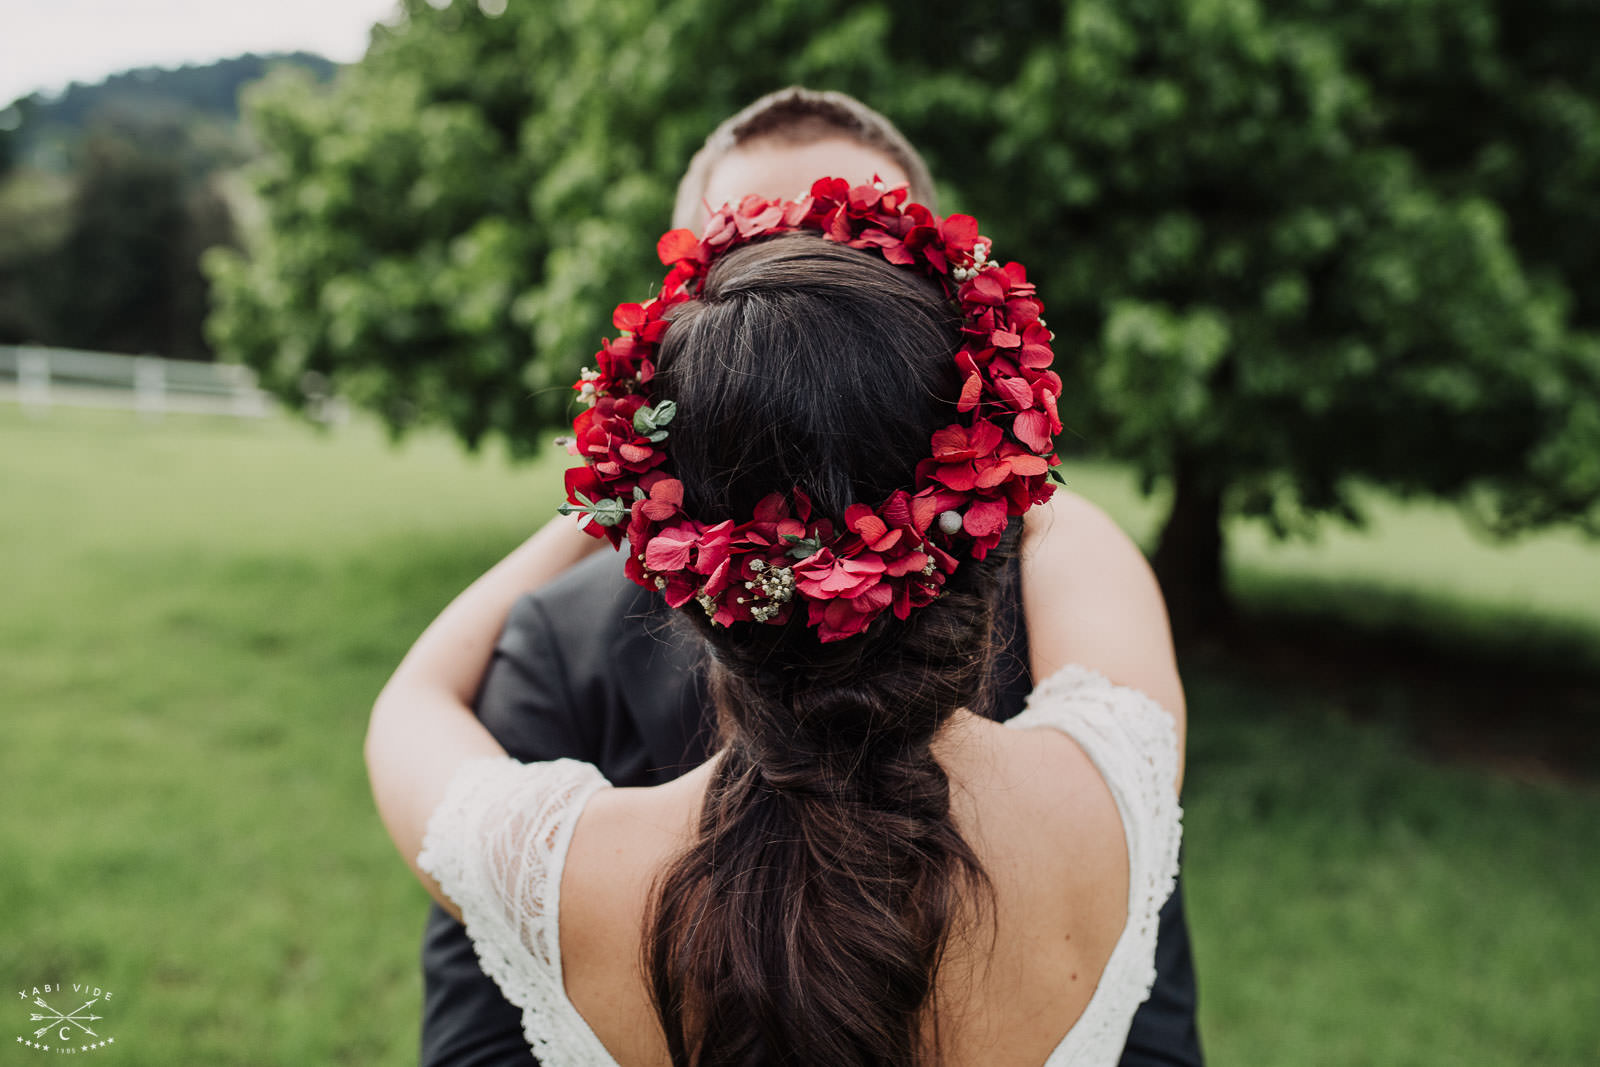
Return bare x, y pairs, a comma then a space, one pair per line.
588, 665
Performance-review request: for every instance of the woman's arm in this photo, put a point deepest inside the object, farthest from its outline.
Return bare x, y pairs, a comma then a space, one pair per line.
1089, 597
422, 725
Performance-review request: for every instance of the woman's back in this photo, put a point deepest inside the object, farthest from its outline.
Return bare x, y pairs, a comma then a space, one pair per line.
1072, 809
1039, 817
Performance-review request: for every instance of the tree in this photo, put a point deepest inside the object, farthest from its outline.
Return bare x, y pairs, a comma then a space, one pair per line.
1266, 288
448, 229
126, 277
1268, 301
111, 199
34, 214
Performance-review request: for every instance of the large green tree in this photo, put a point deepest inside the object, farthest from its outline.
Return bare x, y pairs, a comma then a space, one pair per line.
126, 275
1270, 299
1268, 284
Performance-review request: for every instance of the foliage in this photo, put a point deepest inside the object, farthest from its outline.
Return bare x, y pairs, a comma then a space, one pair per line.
1280, 255
1272, 298
108, 196
35, 211
448, 229
113, 264
129, 266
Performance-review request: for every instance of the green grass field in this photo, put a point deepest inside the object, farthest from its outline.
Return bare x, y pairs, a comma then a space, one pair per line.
196, 614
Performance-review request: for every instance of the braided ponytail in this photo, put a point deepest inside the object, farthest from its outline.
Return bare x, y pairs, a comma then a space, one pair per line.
807, 922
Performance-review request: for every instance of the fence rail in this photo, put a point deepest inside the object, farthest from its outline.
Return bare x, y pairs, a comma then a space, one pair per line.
39, 378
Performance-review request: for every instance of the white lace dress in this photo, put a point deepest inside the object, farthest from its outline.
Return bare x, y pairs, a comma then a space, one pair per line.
498, 840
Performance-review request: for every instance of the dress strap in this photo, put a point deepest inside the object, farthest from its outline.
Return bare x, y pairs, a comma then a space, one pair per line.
1132, 741
497, 845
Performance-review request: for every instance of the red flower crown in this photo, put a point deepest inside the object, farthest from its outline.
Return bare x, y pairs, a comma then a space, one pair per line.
989, 465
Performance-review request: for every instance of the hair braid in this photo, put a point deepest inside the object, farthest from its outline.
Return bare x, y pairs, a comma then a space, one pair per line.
807, 923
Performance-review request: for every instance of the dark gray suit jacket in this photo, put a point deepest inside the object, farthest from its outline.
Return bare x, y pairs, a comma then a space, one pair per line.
590, 667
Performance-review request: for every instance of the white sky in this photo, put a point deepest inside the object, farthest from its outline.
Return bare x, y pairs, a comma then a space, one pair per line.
45, 44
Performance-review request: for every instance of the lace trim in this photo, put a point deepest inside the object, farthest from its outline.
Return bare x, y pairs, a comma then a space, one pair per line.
496, 845
1133, 743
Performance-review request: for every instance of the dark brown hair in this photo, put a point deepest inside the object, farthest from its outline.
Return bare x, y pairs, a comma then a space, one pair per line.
799, 116
807, 923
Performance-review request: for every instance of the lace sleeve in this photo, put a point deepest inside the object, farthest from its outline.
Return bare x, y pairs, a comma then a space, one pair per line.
496, 845
1133, 742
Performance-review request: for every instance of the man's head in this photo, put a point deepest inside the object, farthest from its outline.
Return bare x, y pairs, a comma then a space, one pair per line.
784, 141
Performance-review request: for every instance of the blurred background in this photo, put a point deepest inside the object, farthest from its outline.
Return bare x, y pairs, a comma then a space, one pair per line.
290, 299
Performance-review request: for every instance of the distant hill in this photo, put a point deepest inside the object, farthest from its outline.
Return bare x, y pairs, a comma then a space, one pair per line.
40, 129
109, 194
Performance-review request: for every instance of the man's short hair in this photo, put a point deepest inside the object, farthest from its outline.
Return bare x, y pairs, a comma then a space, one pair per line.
799, 116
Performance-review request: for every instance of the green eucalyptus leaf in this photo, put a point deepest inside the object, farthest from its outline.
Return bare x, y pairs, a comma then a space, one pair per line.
802, 547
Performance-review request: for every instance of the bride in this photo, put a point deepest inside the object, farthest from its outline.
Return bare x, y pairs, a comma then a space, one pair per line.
826, 440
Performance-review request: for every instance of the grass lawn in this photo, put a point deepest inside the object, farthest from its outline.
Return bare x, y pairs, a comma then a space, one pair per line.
195, 615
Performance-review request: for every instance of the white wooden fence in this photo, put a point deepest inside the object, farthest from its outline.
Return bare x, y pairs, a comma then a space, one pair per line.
40, 378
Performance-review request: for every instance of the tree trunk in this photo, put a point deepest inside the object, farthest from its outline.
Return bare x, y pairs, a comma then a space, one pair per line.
1188, 557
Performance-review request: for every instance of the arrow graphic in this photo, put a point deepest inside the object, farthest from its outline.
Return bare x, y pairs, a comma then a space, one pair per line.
57, 1018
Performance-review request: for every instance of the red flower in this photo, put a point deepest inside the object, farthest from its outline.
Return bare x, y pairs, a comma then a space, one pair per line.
664, 499
756, 216
930, 503
716, 545
1015, 392
959, 233
831, 190
604, 435
960, 455
628, 317
876, 533
986, 518
675, 245
1034, 430
1036, 353
893, 248
863, 198
956, 443
836, 620
672, 547
986, 289
824, 576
